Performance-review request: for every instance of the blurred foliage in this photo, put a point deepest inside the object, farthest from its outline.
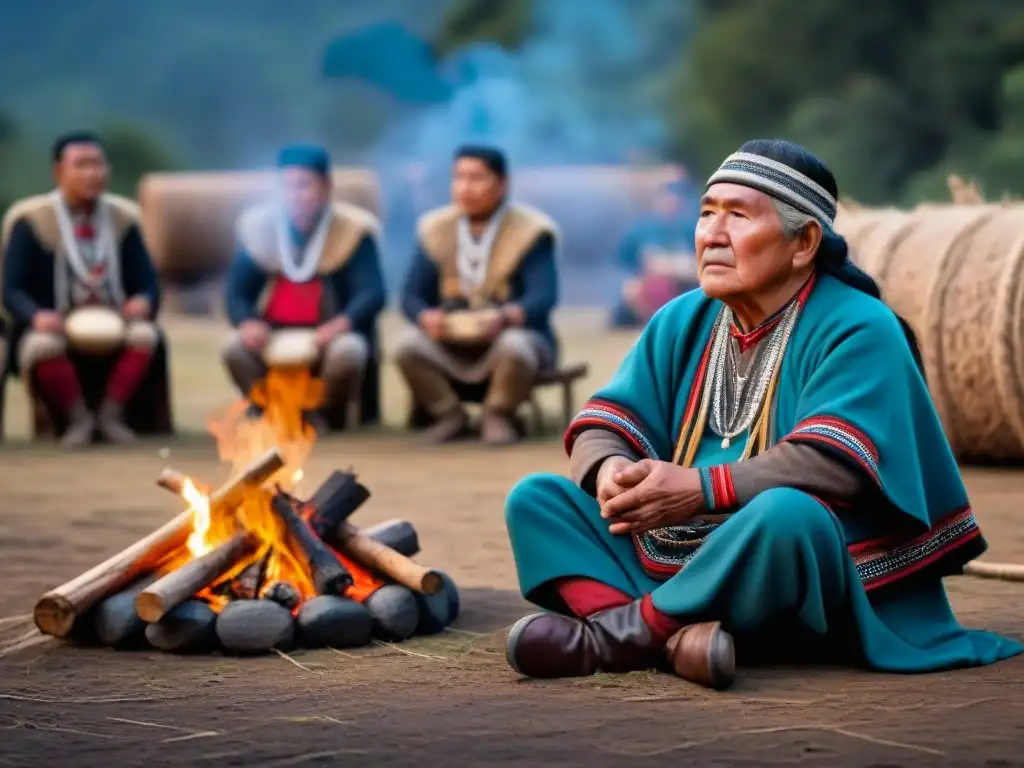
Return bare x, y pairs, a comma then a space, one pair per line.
505, 22
892, 95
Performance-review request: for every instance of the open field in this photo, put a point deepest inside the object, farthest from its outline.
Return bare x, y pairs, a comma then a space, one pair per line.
448, 700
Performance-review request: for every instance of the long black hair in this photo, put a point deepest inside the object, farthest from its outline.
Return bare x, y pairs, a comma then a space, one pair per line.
833, 255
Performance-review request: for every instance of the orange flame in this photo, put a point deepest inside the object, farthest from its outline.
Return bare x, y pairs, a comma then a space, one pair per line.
283, 396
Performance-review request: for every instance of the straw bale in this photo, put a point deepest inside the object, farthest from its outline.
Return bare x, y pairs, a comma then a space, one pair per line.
189, 218
914, 276
978, 324
874, 241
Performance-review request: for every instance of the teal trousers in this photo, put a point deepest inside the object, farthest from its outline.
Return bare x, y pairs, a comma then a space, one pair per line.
778, 568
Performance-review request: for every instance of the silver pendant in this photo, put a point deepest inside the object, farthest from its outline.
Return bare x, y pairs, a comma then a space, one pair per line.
726, 442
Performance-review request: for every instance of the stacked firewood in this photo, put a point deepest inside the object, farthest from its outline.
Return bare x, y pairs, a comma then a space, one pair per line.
155, 594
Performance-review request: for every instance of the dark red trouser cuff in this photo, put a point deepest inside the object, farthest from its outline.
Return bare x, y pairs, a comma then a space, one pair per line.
58, 383
127, 374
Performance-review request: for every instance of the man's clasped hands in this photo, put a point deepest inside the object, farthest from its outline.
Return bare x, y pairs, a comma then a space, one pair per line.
639, 496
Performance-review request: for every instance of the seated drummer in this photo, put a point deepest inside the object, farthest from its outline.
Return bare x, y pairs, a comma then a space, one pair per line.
77, 246
306, 262
497, 258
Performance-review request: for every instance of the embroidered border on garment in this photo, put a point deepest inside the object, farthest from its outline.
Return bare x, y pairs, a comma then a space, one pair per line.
879, 562
603, 414
716, 483
882, 561
841, 436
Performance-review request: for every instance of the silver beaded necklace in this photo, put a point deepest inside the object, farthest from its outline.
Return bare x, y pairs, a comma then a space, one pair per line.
738, 389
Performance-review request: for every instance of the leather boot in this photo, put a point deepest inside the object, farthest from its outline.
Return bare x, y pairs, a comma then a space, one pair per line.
449, 427
704, 654
614, 640
110, 423
81, 425
498, 429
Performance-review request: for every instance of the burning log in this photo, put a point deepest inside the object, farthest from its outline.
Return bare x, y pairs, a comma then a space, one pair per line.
231, 494
332, 503
383, 559
56, 611
335, 500
329, 576
182, 584
246, 585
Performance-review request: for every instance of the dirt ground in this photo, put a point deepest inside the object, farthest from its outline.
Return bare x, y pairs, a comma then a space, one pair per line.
448, 700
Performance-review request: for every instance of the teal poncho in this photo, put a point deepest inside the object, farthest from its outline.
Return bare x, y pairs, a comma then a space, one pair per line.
869, 574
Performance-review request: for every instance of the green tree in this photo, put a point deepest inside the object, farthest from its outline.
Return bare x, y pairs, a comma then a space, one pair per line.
133, 152
890, 94
505, 22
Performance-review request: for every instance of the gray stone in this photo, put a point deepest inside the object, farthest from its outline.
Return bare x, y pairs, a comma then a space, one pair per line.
115, 621
187, 628
334, 621
395, 613
255, 626
439, 610
397, 534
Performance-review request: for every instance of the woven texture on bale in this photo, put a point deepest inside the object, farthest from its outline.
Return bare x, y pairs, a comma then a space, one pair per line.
855, 224
189, 218
916, 272
878, 240
981, 351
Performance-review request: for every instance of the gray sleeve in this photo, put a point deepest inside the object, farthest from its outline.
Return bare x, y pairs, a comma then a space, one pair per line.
590, 450
796, 465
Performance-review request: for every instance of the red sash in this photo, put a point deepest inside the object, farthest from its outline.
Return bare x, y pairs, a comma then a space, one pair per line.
294, 304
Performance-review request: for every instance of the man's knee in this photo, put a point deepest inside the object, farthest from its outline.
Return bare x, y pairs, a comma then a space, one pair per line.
788, 515
141, 334
539, 493
518, 345
411, 346
234, 351
346, 353
36, 347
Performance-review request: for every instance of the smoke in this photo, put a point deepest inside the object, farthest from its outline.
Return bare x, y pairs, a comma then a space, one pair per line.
582, 90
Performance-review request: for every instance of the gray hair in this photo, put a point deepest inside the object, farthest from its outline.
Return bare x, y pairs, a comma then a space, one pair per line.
793, 220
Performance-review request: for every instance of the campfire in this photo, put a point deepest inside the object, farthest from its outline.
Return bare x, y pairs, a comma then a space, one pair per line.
252, 566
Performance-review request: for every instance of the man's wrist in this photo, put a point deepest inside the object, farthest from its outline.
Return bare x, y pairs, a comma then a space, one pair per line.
717, 487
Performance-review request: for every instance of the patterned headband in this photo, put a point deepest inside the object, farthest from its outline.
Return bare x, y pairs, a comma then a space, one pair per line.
780, 181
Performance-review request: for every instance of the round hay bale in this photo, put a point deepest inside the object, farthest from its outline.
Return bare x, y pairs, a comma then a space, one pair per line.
980, 326
887, 228
914, 275
189, 218
855, 223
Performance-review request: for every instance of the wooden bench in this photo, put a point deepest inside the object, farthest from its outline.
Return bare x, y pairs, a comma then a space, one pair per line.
5, 370
564, 377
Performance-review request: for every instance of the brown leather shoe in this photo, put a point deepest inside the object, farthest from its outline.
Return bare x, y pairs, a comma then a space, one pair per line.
451, 426
550, 645
704, 654
498, 429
